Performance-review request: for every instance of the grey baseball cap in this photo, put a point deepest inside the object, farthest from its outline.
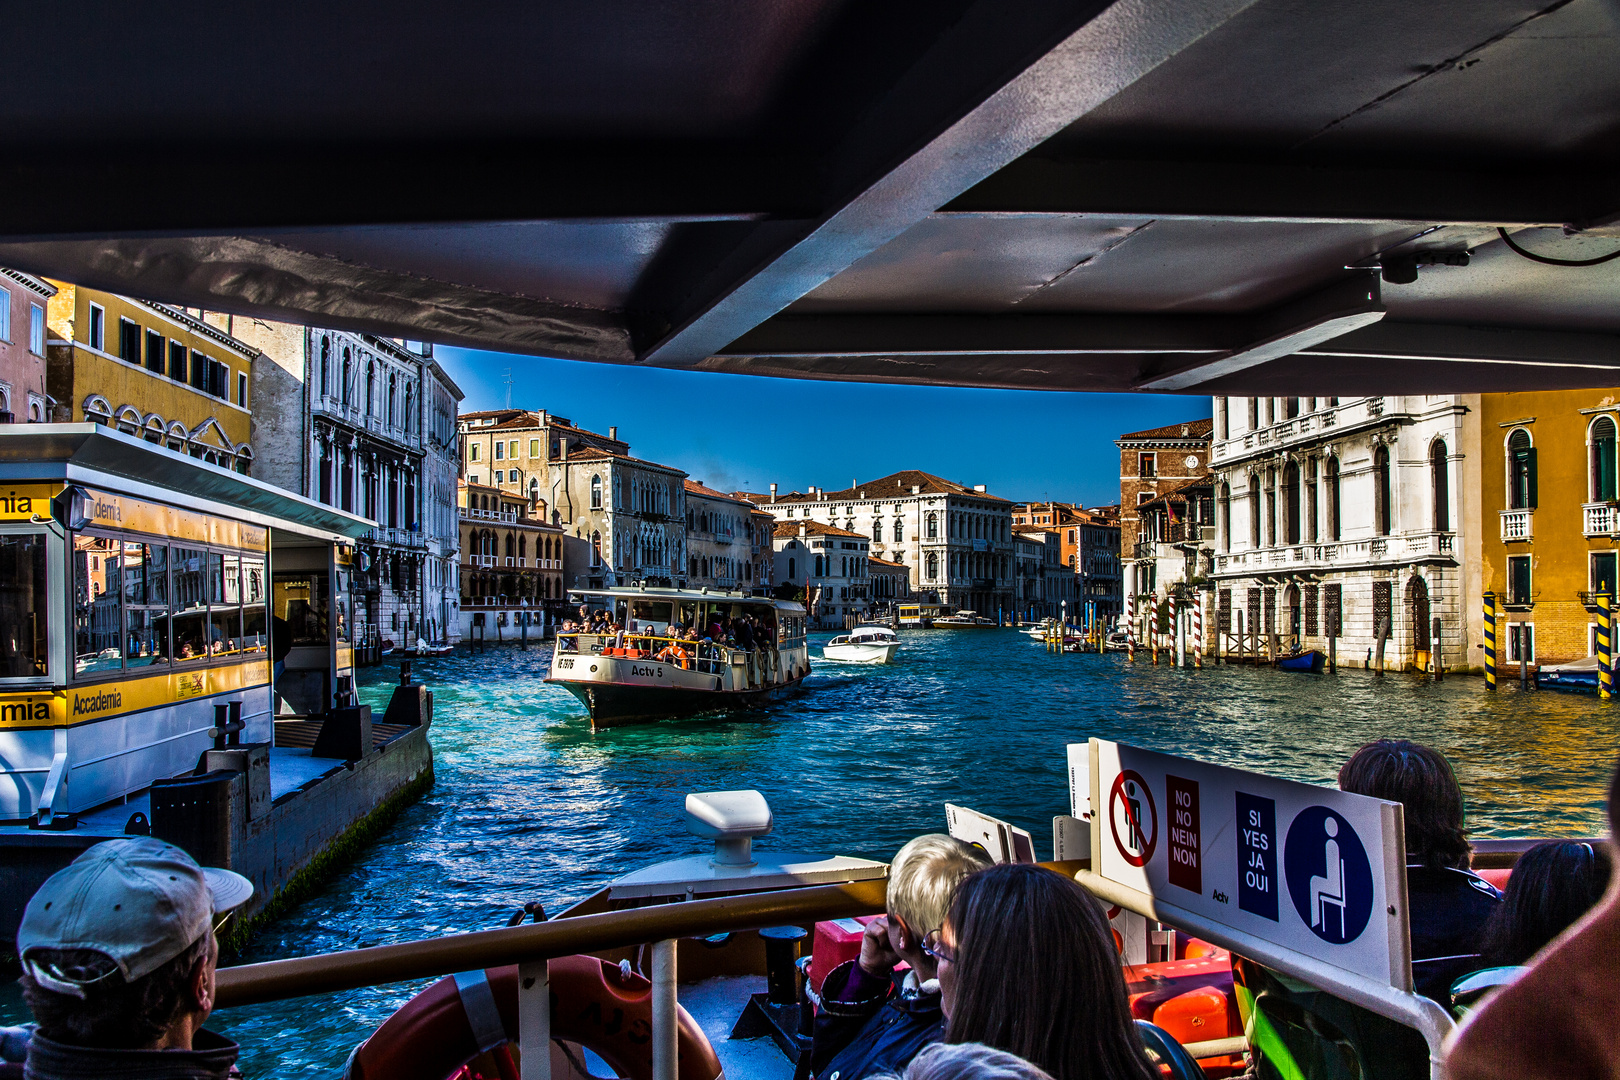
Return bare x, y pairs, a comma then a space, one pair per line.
139, 901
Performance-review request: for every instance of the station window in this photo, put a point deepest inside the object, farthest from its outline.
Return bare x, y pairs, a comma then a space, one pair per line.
24, 606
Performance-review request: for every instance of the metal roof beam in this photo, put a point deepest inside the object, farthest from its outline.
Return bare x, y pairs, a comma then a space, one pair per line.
1414, 193
1322, 316
998, 83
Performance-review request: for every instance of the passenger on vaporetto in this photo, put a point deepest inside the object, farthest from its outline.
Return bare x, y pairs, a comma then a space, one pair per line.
873, 1018
1449, 905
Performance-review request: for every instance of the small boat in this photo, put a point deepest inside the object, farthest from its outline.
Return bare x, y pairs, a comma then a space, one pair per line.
963, 620
1577, 675
863, 645
1312, 660
1117, 641
1041, 630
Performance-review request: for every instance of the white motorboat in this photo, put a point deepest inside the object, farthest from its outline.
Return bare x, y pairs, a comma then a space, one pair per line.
964, 620
863, 645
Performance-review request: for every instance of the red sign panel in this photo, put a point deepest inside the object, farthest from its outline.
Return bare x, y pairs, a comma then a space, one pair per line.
1186, 860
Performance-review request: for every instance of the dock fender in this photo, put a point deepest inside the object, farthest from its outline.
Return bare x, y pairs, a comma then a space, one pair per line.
593, 1003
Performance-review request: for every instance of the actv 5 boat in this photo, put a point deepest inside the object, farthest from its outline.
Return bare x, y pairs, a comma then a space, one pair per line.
648, 654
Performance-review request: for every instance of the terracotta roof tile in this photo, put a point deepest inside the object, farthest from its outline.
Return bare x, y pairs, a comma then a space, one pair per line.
888, 487
787, 529
1196, 429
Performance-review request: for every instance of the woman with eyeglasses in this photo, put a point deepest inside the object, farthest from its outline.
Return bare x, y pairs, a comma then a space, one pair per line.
1026, 964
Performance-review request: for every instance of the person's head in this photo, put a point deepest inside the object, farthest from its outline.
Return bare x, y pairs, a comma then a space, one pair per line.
1421, 780
1028, 965
1553, 884
971, 1061
922, 879
118, 948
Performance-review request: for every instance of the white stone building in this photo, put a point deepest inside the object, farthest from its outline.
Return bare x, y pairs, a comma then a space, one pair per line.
832, 562
351, 420
1340, 517
628, 515
956, 539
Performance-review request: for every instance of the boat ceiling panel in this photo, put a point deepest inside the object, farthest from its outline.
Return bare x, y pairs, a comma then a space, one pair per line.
1148, 194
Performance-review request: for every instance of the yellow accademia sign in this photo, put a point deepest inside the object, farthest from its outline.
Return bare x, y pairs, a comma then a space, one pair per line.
27, 502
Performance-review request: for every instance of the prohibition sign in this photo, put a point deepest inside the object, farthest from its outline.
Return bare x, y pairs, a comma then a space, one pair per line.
1127, 801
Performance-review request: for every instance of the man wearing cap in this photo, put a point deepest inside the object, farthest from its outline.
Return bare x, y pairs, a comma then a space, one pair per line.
118, 956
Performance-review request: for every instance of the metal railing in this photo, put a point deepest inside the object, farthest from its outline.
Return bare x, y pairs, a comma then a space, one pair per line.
472, 513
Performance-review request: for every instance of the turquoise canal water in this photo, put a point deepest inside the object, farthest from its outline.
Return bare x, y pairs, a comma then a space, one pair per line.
530, 804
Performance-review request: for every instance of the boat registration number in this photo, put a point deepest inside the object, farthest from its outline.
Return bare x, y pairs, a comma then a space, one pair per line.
565, 664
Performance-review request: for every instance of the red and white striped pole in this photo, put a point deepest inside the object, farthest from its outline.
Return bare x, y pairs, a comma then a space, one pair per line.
1130, 627
1198, 628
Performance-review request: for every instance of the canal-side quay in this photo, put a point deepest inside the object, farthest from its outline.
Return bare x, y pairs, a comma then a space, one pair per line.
531, 804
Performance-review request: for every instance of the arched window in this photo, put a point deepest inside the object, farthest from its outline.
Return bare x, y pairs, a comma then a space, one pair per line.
410, 395
393, 388
1224, 509
1290, 407
1440, 485
1254, 510
1603, 459
596, 493
345, 388
371, 384
511, 548
326, 365
820, 566
933, 526
933, 566
1254, 413
793, 568
1382, 502
1331, 477
877, 532
1290, 499
1521, 471
899, 531
596, 549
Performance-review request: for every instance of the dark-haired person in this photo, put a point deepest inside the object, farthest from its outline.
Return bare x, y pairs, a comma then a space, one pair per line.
118, 957
1448, 904
873, 1019
1553, 885
1557, 1021
1027, 965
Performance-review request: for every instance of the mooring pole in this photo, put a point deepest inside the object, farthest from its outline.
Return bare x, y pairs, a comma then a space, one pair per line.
1605, 644
1198, 628
1130, 627
1490, 640
1437, 654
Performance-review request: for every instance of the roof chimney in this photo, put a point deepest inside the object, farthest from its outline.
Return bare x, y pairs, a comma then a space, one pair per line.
773, 493
564, 448
613, 433
916, 489
979, 488
1184, 430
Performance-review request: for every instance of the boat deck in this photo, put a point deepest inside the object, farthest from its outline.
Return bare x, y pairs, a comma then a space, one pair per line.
716, 1004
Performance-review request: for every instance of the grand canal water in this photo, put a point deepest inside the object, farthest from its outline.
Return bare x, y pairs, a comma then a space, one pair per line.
530, 804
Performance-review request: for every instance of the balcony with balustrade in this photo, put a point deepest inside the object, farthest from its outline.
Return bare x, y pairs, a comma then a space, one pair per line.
1517, 525
1340, 554
1598, 519
1325, 421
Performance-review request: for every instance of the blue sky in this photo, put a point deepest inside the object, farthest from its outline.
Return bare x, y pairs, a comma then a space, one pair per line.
742, 431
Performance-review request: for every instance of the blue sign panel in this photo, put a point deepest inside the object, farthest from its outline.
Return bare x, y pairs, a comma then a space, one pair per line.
1329, 878
1257, 855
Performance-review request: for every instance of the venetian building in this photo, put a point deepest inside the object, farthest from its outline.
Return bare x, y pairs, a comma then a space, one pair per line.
625, 517
834, 564
719, 539
1340, 517
957, 539
512, 557
151, 370
357, 422
24, 397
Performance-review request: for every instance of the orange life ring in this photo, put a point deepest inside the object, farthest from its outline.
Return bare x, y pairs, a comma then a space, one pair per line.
593, 1003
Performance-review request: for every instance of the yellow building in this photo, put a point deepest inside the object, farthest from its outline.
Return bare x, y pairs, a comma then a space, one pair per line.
150, 370
1548, 497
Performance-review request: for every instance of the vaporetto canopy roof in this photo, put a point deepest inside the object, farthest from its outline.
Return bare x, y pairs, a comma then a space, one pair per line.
99, 457
1244, 196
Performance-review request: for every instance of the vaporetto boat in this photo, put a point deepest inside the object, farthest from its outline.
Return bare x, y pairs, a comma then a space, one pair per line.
650, 666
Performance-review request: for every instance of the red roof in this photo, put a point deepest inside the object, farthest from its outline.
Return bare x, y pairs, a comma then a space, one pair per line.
1189, 429
787, 529
886, 487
